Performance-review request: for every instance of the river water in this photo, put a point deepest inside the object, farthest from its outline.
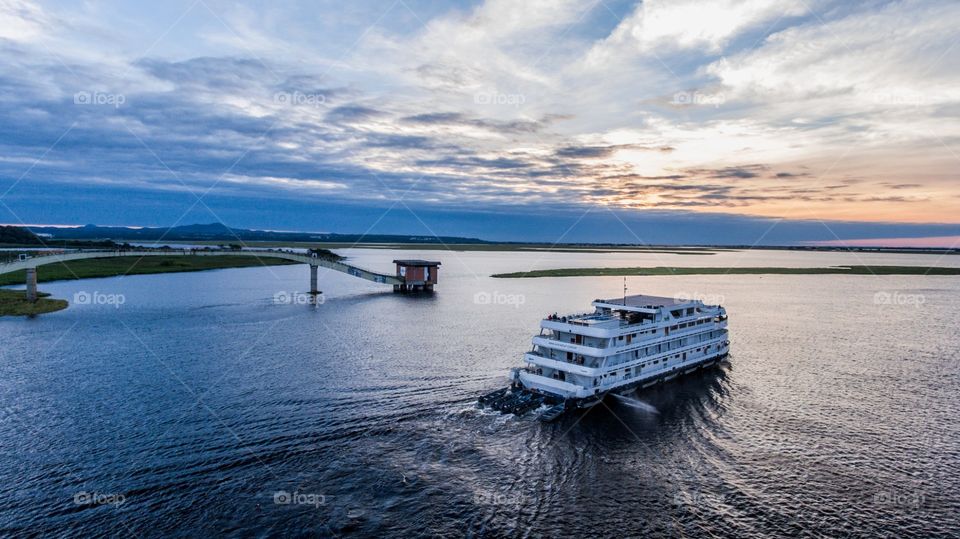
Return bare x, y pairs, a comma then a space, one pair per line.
218, 403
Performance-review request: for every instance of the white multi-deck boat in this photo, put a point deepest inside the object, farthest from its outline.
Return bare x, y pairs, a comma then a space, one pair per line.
629, 342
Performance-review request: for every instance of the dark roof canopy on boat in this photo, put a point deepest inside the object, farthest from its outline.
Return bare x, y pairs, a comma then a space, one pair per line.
416, 262
641, 301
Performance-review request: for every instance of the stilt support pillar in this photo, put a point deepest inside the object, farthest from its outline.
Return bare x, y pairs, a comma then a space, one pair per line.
31, 284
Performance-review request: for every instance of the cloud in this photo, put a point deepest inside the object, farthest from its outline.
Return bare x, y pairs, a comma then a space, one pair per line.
596, 152
870, 61
682, 24
21, 20
821, 108
455, 119
352, 113
743, 171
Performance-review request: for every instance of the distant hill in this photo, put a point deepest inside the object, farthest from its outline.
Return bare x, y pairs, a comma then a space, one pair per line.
18, 235
221, 232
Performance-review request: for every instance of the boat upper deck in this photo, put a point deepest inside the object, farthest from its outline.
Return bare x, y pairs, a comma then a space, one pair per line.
632, 311
641, 303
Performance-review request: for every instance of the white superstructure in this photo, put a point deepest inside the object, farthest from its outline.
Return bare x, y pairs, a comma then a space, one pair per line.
625, 343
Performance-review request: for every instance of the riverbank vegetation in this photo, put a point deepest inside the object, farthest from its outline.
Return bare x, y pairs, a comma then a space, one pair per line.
132, 265
14, 303
661, 270
18, 236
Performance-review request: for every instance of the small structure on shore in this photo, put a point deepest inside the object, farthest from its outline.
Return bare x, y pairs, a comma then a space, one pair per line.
417, 275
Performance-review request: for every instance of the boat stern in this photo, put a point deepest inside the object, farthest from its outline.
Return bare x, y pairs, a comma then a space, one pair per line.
550, 386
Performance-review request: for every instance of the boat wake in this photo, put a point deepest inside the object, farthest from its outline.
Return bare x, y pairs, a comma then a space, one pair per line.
636, 403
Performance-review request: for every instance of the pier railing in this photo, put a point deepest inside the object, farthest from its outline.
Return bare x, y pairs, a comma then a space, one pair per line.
32, 263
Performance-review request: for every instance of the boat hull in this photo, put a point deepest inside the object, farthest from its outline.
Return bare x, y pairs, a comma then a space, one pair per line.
659, 379
502, 400
643, 383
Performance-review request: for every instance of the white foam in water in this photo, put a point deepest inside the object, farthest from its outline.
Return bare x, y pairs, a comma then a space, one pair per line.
637, 403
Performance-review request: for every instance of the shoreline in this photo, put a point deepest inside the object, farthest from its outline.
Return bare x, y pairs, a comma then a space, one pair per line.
14, 303
467, 247
529, 246
150, 265
667, 271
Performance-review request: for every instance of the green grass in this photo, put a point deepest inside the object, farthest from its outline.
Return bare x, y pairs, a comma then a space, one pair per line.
14, 303
660, 270
128, 265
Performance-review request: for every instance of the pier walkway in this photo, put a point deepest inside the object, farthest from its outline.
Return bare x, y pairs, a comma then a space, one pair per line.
30, 264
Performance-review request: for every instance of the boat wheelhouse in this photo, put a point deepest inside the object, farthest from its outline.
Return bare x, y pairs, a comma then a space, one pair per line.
623, 344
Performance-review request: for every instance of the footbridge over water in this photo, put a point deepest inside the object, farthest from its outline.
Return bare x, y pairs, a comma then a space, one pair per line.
31, 264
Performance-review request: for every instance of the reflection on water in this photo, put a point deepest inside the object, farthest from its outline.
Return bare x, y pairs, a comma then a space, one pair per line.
202, 406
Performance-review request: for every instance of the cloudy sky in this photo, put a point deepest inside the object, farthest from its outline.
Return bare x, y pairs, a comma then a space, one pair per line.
764, 121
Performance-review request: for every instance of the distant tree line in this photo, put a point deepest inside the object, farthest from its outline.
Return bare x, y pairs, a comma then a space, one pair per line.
18, 235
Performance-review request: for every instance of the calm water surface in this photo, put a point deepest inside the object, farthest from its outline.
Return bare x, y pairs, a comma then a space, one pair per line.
195, 403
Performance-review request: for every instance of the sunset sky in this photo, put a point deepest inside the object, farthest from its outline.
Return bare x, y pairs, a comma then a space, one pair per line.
754, 121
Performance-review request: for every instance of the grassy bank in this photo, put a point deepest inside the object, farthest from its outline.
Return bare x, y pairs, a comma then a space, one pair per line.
128, 265
660, 270
14, 303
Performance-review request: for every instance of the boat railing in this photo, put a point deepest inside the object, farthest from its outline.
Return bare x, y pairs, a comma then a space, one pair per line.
568, 319
578, 360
